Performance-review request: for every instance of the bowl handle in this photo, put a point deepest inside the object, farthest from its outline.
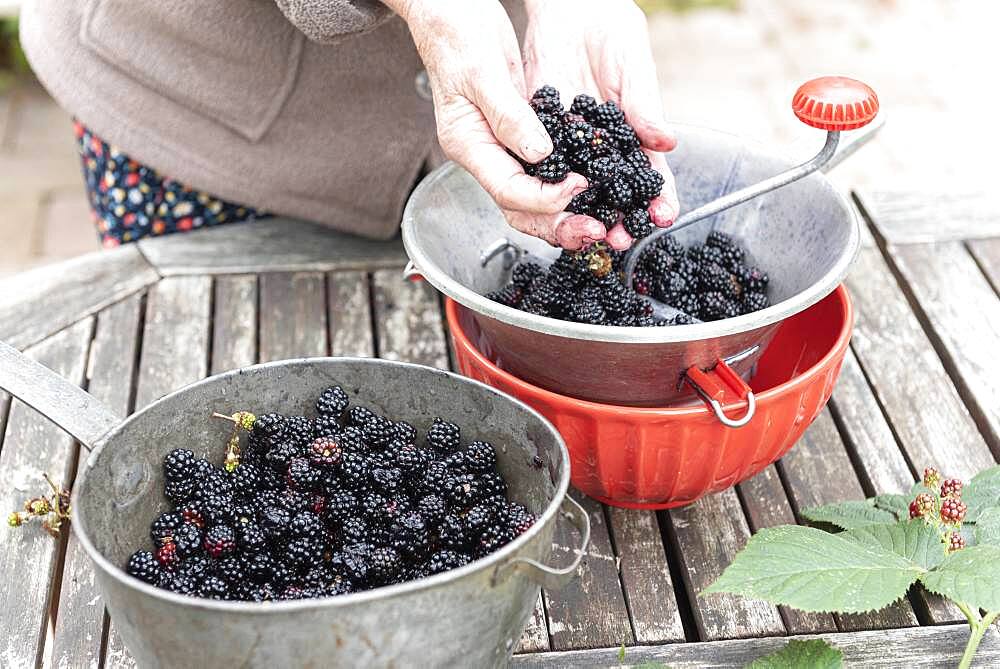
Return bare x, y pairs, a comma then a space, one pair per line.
552, 578
68, 406
712, 385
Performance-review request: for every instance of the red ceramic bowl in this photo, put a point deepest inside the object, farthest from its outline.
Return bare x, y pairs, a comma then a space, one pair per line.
651, 458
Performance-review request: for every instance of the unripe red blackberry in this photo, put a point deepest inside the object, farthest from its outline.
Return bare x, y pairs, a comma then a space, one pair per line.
953, 510
166, 555
932, 478
955, 542
220, 541
923, 505
324, 452
951, 488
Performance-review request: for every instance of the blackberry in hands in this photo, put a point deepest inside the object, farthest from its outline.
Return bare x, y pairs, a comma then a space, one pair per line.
618, 192
546, 100
553, 169
608, 114
637, 223
584, 105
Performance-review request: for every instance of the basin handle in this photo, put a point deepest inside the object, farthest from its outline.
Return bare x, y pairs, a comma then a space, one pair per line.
412, 273
71, 408
552, 578
707, 384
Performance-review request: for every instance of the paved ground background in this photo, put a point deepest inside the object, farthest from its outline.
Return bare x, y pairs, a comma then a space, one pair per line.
932, 62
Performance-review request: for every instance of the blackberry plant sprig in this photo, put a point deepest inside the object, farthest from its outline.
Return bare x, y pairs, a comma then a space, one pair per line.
944, 535
242, 420
53, 509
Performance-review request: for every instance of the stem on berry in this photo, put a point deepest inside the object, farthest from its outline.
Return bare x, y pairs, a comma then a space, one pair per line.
222, 415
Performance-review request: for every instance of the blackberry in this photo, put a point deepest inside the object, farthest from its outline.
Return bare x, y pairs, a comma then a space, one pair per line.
163, 528
670, 244
251, 537
355, 559
587, 311
444, 436
720, 240
187, 538
191, 513
690, 304
584, 201
713, 278
353, 469
681, 319
231, 569
584, 105
752, 279
623, 136
492, 539
179, 465
213, 588
378, 431
183, 584
245, 479
616, 299
405, 432
618, 193
384, 564
478, 518
410, 535
303, 552
433, 508
520, 519
220, 541
351, 440
638, 160
144, 567
280, 455
295, 500
326, 425
577, 136
481, 456
332, 402
608, 114
410, 460
166, 555
307, 524
299, 430
716, 306
340, 507
671, 289
274, 521
553, 169
302, 475
509, 295
324, 452
446, 560
260, 567
637, 223
491, 484
647, 182
754, 302
452, 533
462, 490
545, 100
269, 427
606, 215
197, 566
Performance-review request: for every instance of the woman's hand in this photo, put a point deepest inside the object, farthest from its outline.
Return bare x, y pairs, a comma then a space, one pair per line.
601, 47
480, 103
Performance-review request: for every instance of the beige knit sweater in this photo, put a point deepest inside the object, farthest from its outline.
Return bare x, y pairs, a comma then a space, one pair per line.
306, 108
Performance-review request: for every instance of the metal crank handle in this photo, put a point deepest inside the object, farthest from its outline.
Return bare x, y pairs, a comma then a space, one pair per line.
833, 104
553, 578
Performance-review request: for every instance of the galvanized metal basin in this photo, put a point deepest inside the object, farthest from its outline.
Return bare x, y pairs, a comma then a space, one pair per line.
471, 616
805, 235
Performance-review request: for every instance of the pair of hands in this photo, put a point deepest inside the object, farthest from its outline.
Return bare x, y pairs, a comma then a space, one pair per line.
481, 85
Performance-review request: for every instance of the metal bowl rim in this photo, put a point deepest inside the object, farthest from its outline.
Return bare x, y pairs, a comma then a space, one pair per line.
481, 306
384, 592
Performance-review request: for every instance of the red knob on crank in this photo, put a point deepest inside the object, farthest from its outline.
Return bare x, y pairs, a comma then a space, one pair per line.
835, 103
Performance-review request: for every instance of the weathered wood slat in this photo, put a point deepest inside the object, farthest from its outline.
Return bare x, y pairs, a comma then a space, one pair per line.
645, 576
408, 321
884, 468
36, 303
819, 472
350, 315
269, 245
234, 323
964, 314
767, 506
28, 555
175, 337
908, 648
708, 535
932, 423
987, 253
79, 629
536, 633
292, 316
914, 217
590, 611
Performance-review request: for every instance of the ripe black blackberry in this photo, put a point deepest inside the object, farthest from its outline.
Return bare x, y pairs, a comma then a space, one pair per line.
220, 541
638, 223
387, 480
351, 440
144, 567
339, 507
405, 432
716, 306
481, 456
576, 136
713, 278
303, 552
647, 182
545, 100
411, 460
299, 430
357, 416
279, 455
410, 535
179, 465
378, 431
444, 436
584, 105
245, 479
251, 537
332, 402
606, 214
754, 302
353, 469
162, 529
623, 136
602, 169
752, 279
638, 160
433, 508
452, 533
268, 427
584, 201
607, 114
618, 193
553, 169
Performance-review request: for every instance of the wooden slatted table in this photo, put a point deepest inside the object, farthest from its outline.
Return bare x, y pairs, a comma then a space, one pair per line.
920, 386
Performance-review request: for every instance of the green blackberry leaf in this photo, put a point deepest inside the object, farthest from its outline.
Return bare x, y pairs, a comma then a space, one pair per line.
988, 527
814, 570
814, 653
849, 515
897, 504
982, 492
969, 575
916, 541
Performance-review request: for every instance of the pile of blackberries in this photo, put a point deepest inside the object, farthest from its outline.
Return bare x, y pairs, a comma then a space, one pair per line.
709, 282
347, 501
595, 140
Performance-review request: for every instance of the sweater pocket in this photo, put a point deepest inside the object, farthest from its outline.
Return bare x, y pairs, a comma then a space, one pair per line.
234, 61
